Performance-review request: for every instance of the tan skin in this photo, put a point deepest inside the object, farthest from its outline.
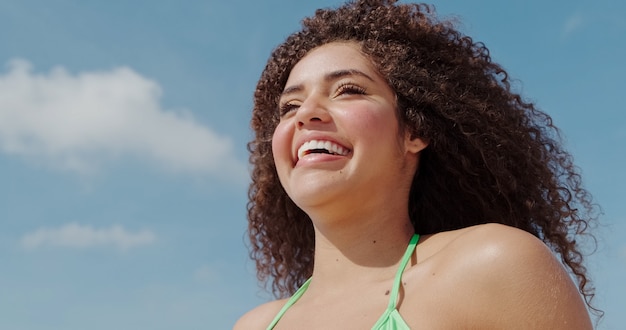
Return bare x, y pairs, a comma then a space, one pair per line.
482, 277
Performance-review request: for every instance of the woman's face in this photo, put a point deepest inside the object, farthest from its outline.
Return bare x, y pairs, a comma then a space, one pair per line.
338, 136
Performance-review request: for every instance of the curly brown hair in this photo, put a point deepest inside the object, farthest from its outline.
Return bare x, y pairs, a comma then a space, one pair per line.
492, 156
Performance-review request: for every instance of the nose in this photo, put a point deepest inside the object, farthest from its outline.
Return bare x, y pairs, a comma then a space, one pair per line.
313, 111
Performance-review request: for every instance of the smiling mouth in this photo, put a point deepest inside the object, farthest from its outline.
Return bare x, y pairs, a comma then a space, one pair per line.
321, 147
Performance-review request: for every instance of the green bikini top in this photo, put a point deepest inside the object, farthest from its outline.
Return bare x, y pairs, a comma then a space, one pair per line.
391, 318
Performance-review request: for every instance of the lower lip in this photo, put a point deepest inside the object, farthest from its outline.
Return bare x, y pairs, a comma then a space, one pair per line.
312, 159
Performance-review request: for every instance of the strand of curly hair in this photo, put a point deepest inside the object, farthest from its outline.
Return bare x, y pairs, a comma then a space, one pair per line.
492, 157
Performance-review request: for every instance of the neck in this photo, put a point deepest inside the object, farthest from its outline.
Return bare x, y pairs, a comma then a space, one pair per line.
361, 247
357, 240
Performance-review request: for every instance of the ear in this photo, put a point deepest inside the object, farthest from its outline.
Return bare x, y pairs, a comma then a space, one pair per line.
414, 144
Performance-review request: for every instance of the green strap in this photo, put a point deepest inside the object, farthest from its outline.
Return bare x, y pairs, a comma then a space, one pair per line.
289, 303
393, 299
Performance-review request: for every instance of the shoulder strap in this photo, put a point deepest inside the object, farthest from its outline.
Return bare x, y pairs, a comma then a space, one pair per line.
289, 303
393, 299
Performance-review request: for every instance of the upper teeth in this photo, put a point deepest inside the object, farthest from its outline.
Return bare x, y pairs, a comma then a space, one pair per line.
331, 147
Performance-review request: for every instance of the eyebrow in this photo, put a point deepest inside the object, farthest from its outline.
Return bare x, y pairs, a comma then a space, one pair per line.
328, 78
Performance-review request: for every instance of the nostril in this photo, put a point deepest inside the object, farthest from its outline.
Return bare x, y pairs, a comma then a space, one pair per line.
312, 119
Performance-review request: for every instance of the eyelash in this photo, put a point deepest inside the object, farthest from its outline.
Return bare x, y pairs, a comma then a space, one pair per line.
287, 107
350, 88
345, 88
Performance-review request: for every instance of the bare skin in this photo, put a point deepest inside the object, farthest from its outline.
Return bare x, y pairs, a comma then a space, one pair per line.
482, 277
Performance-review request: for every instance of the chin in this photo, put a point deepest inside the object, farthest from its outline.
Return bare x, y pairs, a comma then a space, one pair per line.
314, 194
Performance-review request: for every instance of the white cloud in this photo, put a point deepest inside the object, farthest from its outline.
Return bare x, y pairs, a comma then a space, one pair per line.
573, 23
77, 122
81, 236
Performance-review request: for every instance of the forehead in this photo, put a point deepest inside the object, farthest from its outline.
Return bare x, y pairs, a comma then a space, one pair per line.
331, 57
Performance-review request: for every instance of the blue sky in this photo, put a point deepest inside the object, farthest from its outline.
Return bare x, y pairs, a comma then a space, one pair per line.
123, 131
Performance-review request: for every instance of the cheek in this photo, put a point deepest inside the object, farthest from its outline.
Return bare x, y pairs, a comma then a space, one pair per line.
379, 133
281, 150
376, 125
281, 144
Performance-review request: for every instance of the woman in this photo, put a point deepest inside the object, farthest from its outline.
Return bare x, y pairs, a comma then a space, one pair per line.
399, 183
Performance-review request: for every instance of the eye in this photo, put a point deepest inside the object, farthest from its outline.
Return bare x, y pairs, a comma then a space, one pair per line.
287, 107
350, 89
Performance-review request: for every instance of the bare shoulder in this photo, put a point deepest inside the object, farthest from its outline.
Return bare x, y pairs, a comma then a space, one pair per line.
510, 278
495, 242
481, 242
259, 317
501, 247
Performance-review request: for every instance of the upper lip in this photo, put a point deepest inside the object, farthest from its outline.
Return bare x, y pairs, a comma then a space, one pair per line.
319, 137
